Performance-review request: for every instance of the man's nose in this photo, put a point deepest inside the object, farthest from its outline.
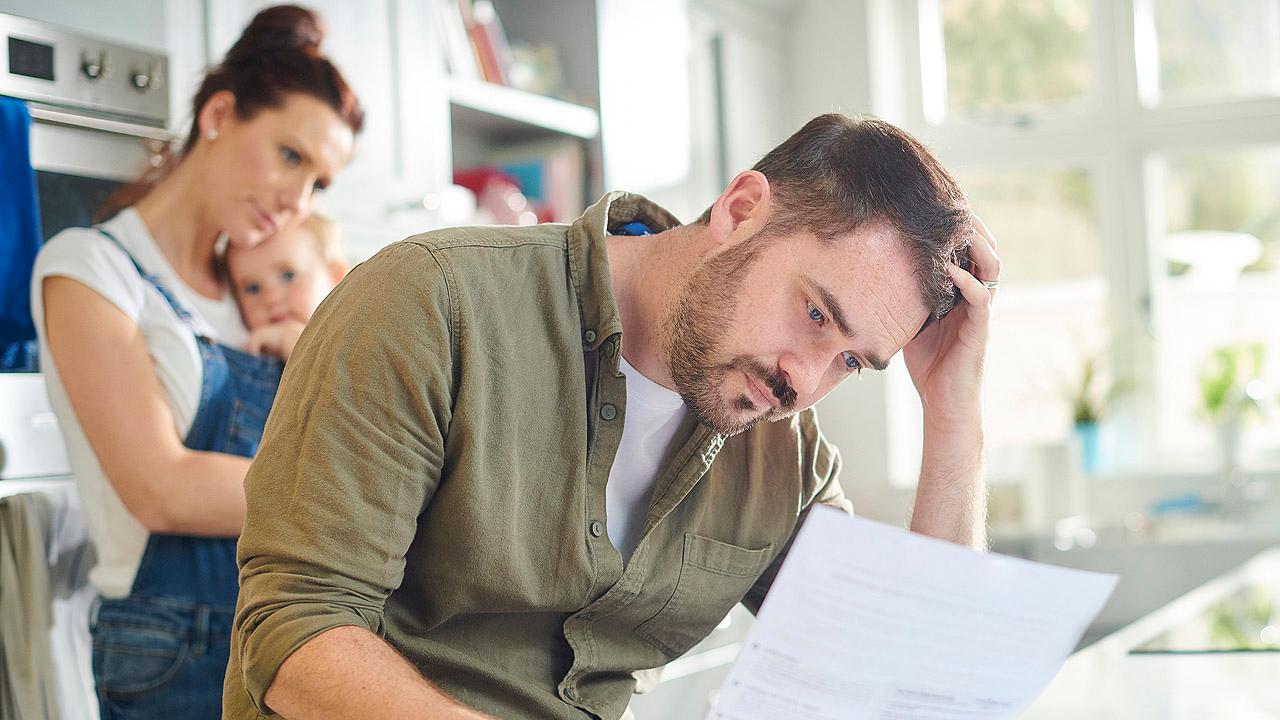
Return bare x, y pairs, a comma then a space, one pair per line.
804, 370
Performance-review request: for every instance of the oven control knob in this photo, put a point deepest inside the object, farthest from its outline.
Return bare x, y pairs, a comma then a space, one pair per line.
144, 79
93, 66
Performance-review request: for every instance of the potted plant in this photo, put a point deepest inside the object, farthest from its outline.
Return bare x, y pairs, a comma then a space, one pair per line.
1229, 394
1090, 396
1224, 377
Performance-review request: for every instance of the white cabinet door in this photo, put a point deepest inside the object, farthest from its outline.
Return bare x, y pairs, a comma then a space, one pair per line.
756, 86
723, 94
644, 93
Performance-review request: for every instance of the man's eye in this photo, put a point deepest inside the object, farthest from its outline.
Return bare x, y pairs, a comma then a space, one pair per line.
851, 363
816, 315
287, 275
290, 155
252, 289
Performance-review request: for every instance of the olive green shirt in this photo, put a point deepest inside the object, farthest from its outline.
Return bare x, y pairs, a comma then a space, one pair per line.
434, 470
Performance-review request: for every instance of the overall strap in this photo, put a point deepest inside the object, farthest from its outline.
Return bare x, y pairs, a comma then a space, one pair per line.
182, 312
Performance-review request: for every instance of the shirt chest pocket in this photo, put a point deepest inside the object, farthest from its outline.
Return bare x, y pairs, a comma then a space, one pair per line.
713, 578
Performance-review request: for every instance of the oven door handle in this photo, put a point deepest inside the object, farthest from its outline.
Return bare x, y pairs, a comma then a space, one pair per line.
60, 117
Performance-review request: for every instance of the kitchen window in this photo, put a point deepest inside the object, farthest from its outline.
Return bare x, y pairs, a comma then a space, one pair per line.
1127, 155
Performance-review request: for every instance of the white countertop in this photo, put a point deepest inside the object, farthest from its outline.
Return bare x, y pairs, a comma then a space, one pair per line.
1106, 681
19, 487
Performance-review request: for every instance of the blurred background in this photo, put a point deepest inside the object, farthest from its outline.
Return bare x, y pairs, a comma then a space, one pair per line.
1126, 153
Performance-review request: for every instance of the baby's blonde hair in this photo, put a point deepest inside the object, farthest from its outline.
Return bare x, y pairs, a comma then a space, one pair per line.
327, 234
328, 241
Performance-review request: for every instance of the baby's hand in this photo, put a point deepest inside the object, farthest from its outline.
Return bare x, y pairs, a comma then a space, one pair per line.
275, 339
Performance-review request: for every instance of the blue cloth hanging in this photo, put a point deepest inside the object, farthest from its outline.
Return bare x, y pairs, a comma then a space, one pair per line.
19, 237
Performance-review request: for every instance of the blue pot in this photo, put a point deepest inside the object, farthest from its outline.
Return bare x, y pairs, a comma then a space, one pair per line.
1090, 453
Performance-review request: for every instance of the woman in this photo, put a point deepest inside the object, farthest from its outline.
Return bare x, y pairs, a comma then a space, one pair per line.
160, 411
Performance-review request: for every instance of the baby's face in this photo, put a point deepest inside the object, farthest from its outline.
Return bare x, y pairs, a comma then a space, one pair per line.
282, 278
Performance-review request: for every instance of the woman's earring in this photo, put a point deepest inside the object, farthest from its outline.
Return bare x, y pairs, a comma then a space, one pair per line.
212, 135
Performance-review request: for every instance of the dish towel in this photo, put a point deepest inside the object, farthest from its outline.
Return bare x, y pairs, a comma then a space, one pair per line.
27, 685
19, 237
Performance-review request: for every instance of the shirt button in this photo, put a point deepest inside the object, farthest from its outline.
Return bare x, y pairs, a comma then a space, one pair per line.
597, 528
610, 347
571, 694
608, 412
589, 336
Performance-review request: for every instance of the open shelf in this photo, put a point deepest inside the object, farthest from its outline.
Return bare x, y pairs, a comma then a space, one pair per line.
508, 113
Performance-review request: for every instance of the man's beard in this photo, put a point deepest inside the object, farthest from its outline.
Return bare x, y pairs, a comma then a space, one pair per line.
694, 335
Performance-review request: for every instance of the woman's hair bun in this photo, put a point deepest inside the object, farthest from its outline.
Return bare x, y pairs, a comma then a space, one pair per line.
276, 29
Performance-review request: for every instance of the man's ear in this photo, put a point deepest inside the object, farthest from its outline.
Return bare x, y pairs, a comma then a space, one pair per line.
742, 210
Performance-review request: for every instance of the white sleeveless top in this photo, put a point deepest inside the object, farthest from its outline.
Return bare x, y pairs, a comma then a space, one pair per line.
85, 256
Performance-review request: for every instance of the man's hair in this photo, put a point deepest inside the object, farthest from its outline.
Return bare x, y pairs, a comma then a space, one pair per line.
839, 173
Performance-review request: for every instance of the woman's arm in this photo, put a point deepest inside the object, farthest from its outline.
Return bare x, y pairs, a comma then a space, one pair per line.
109, 377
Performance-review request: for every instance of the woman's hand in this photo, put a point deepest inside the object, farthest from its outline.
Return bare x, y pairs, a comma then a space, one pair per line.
275, 339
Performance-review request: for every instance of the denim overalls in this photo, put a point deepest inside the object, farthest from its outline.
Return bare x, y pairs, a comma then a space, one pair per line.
162, 651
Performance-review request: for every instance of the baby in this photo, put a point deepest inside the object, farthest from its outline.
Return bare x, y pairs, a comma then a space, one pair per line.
280, 282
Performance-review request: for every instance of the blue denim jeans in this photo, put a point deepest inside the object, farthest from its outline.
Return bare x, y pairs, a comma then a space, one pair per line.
160, 658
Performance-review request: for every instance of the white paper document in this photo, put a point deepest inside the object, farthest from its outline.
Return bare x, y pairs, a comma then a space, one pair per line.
870, 621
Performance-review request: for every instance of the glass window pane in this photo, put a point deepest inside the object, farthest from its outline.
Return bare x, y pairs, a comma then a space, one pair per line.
1220, 289
1212, 50
1044, 220
1222, 212
1009, 58
1051, 317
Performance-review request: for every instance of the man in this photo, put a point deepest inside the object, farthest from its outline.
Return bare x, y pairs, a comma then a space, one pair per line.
449, 516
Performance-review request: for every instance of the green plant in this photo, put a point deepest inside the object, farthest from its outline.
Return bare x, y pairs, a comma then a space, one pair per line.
1091, 394
1223, 376
1236, 622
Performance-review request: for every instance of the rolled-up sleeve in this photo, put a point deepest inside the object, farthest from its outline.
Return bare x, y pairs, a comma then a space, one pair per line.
351, 455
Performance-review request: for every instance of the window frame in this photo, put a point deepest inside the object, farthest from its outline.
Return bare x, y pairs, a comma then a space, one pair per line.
1114, 135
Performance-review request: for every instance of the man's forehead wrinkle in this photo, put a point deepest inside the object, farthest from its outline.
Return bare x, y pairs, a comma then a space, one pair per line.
875, 286
888, 319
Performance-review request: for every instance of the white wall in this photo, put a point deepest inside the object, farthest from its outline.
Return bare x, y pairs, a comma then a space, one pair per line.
830, 63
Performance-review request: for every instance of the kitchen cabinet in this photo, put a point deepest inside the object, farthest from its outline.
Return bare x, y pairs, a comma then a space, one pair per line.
712, 105
558, 46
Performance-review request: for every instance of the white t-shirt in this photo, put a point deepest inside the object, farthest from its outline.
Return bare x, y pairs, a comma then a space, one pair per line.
653, 416
84, 255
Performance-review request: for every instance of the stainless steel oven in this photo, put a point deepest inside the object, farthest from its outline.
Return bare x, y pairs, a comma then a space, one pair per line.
99, 113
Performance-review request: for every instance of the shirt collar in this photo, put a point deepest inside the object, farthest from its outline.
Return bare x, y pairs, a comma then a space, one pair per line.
589, 261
